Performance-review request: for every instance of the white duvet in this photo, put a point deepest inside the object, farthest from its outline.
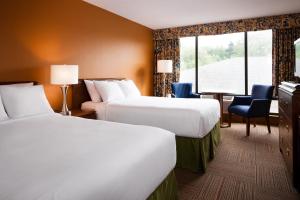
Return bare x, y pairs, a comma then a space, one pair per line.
185, 117
68, 158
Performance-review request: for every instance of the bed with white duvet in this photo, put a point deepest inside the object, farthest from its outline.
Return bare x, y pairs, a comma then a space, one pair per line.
48, 156
194, 121
185, 117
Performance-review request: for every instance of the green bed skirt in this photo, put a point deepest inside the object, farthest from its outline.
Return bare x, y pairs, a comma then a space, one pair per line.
167, 190
194, 153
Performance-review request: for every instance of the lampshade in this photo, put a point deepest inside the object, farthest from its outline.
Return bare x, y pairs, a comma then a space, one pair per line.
64, 74
164, 66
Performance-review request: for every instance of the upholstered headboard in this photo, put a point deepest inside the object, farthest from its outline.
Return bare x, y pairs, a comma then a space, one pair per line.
80, 93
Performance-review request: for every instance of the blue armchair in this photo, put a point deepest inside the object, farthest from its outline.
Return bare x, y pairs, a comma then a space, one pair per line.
183, 90
256, 105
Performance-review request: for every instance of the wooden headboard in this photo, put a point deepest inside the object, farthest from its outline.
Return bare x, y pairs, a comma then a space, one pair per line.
15, 82
80, 93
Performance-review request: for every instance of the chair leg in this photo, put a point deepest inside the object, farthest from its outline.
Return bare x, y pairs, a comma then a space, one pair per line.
268, 123
254, 124
229, 119
248, 126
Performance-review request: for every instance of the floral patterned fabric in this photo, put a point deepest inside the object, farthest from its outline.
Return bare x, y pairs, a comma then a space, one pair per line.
283, 55
285, 31
166, 50
255, 24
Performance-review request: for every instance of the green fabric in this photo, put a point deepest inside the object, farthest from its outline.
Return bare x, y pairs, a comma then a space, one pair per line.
194, 153
167, 190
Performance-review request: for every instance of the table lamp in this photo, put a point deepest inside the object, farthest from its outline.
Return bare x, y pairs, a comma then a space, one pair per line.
164, 66
64, 75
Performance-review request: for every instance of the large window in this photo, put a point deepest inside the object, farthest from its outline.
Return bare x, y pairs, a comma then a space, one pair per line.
187, 60
229, 62
221, 63
259, 58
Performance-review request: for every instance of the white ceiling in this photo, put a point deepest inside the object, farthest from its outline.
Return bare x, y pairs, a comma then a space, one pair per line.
157, 14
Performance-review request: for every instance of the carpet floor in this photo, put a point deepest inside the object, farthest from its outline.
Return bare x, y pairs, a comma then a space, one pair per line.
244, 168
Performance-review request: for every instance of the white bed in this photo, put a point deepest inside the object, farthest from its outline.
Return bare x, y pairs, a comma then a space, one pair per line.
193, 118
54, 157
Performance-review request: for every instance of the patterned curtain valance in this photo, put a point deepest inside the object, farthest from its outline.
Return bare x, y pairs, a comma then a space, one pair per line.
262, 23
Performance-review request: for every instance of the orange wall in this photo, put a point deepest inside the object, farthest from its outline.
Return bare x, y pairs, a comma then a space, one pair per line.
37, 33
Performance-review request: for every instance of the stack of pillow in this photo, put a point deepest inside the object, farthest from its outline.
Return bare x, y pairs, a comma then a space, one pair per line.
111, 90
22, 100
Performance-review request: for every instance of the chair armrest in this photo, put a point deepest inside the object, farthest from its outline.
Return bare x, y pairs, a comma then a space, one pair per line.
260, 107
194, 95
241, 100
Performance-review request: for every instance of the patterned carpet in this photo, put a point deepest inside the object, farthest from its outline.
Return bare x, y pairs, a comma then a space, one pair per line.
244, 168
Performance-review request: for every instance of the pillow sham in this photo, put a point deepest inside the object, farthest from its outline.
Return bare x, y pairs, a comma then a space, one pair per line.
95, 97
109, 90
25, 101
129, 89
3, 114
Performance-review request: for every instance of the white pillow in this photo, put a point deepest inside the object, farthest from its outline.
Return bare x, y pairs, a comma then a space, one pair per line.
95, 97
25, 101
129, 88
109, 90
3, 115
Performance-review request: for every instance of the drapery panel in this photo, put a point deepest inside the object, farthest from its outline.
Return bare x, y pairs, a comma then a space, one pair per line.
284, 55
166, 50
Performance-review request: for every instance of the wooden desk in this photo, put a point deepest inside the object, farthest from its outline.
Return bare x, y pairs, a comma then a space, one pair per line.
219, 96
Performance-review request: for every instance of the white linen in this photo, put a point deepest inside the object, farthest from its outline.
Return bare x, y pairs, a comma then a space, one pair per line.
68, 158
185, 117
3, 114
109, 90
129, 88
24, 101
95, 97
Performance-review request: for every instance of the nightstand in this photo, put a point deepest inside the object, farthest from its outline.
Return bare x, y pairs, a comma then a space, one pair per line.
84, 114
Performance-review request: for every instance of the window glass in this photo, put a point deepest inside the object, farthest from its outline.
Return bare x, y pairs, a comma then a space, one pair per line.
221, 63
259, 58
187, 60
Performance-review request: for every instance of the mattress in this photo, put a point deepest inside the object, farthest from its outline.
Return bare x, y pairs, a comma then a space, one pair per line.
70, 158
185, 117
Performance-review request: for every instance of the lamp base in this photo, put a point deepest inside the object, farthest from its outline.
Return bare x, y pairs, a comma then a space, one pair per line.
65, 110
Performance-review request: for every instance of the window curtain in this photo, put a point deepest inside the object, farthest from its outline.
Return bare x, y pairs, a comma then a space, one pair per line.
284, 55
285, 31
166, 50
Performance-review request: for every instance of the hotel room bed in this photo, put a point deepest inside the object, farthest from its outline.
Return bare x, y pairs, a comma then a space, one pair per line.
45, 155
56, 157
194, 121
186, 117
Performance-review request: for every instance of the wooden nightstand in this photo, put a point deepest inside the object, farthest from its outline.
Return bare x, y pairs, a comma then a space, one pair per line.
84, 114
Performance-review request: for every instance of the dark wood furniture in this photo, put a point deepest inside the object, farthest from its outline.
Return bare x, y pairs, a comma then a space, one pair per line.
80, 93
289, 129
84, 114
17, 82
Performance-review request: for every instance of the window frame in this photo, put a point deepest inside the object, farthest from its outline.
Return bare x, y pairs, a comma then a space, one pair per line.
245, 65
